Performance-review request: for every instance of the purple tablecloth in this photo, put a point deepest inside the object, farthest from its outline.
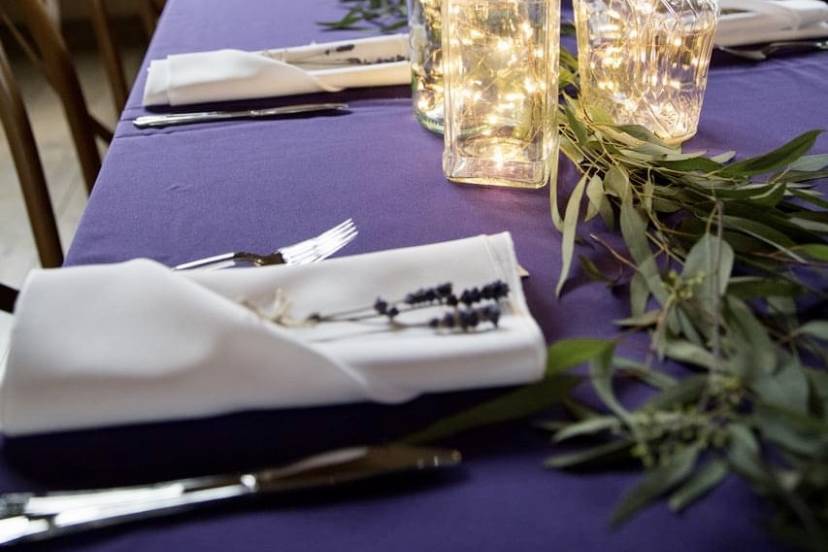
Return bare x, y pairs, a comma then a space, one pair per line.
185, 192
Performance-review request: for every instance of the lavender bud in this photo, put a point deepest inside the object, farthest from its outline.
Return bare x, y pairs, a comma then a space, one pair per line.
380, 306
444, 290
392, 312
451, 300
448, 320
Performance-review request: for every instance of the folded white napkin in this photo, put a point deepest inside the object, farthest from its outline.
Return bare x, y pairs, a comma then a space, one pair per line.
225, 75
757, 21
136, 342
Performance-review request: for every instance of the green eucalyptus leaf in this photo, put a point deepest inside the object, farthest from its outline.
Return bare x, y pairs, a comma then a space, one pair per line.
639, 294
644, 320
810, 163
643, 134
702, 482
571, 151
786, 387
810, 196
570, 353
685, 351
601, 371
687, 390
723, 157
576, 125
796, 432
653, 378
752, 351
816, 251
809, 222
815, 328
818, 380
635, 236
764, 233
799, 177
522, 403
743, 453
656, 483
617, 182
690, 164
751, 287
595, 195
779, 157
604, 451
710, 260
570, 223
588, 427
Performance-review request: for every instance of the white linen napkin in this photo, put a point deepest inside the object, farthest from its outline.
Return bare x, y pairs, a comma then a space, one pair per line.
137, 342
224, 75
758, 21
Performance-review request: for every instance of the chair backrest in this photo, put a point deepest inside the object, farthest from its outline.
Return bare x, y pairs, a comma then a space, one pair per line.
24, 152
53, 58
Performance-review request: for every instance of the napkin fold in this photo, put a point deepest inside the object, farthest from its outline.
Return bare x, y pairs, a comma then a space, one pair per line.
224, 75
134, 342
757, 21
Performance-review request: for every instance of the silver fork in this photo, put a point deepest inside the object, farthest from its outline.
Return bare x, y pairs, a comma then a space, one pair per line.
309, 251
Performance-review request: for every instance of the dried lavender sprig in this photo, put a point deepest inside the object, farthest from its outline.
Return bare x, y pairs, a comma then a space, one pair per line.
422, 298
469, 318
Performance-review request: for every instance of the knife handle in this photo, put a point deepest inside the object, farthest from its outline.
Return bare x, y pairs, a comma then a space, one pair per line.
169, 119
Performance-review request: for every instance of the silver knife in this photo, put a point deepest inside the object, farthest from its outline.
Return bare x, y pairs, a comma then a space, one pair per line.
167, 119
26, 516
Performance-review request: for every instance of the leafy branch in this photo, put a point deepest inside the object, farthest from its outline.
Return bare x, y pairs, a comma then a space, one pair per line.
725, 267
724, 262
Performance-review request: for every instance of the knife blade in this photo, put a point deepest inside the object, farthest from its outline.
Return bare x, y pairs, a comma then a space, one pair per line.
169, 119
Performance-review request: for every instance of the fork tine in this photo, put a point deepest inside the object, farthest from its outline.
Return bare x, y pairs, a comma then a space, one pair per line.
313, 249
311, 246
306, 245
323, 249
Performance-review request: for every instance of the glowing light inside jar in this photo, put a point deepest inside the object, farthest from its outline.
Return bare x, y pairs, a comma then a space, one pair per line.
646, 61
500, 62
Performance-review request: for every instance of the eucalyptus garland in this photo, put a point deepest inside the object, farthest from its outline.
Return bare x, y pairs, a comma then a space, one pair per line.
725, 268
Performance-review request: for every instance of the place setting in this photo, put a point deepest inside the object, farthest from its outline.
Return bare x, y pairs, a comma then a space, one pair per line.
549, 277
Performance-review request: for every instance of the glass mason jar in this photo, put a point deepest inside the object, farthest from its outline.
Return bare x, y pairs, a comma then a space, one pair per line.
645, 62
424, 31
500, 59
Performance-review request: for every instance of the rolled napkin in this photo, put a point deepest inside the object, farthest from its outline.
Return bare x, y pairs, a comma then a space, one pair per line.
224, 75
757, 21
134, 342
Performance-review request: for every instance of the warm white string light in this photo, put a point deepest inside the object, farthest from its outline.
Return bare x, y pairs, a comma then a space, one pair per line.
500, 63
645, 62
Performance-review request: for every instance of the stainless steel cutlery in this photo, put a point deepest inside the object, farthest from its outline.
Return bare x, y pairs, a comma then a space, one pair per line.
169, 119
27, 516
308, 251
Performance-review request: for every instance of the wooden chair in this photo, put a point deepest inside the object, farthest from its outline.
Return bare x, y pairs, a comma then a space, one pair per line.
149, 11
48, 52
24, 152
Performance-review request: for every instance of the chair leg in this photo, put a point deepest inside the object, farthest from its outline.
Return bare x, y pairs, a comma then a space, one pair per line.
109, 52
149, 12
29, 169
